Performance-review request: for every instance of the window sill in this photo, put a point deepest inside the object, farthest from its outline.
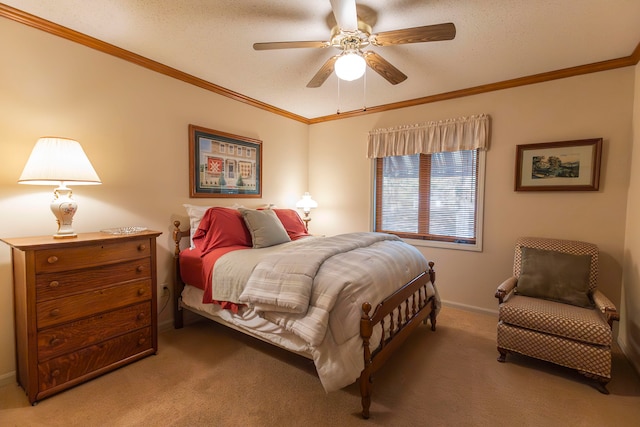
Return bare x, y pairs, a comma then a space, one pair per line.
477, 247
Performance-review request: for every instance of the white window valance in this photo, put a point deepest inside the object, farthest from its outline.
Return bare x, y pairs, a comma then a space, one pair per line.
463, 133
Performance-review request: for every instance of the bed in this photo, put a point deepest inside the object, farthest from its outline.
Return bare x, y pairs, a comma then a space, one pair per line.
346, 302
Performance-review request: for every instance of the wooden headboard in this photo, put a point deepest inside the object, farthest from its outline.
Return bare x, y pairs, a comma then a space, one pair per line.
178, 235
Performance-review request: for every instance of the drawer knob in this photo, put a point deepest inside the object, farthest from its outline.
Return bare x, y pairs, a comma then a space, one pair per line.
141, 316
140, 268
55, 312
55, 373
54, 284
142, 341
52, 259
141, 291
55, 341
142, 247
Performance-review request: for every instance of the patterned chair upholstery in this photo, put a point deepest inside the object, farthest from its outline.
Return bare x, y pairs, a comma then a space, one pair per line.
567, 335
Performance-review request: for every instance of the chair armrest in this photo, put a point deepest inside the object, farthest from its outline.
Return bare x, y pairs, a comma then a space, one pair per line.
505, 288
607, 308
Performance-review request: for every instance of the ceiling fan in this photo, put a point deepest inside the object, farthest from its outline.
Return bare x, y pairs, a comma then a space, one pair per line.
351, 33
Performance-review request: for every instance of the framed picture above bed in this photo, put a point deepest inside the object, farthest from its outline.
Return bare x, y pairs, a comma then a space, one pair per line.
559, 166
223, 165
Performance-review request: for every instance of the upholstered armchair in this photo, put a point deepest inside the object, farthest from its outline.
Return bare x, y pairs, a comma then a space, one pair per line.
550, 308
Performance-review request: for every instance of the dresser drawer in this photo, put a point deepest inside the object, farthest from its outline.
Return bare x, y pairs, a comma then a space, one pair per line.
57, 311
55, 341
61, 259
63, 283
75, 365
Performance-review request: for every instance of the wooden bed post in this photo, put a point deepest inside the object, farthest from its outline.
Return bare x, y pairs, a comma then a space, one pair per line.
434, 308
178, 285
366, 329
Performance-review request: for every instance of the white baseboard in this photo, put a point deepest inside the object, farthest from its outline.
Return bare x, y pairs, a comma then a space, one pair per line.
472, 308
188, 319
8, 378
165, 326
627, 354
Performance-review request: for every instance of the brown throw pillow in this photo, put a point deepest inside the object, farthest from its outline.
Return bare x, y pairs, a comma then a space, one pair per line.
555, 276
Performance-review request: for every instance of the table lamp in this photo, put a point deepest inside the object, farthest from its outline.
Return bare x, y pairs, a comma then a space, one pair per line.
306, 204
60, 161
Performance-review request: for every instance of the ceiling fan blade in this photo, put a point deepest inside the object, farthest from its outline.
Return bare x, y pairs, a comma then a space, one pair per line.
345, 13
289, 45
428, 33
323, 73
384, 68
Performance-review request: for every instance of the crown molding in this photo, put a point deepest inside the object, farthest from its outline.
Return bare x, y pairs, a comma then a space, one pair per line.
93, 43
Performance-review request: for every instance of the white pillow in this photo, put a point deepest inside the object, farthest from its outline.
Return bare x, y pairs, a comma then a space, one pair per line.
195, 216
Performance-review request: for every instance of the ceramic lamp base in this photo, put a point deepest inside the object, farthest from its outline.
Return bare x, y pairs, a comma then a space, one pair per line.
64, 207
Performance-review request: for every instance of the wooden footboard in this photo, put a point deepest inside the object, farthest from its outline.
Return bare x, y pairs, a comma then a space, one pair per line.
396, 316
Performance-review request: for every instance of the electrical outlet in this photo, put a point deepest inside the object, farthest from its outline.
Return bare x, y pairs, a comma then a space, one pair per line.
165, 291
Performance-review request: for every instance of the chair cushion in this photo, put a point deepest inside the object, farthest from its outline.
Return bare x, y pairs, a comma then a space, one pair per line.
564, 320
556, 276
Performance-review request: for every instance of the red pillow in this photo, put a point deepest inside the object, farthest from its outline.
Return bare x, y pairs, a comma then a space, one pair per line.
292, 223
221, 227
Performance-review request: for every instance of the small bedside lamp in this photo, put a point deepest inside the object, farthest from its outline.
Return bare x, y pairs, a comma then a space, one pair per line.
60, 161
306, 204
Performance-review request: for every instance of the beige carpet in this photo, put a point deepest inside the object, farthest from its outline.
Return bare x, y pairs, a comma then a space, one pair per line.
207, 375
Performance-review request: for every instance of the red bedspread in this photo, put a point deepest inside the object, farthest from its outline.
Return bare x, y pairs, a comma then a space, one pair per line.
197, 270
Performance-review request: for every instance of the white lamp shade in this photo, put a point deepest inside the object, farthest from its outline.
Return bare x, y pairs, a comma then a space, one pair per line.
350, 66
55, 160
306, 203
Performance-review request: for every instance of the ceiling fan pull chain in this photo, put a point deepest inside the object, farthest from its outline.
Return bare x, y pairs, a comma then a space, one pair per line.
364, 91
338, 112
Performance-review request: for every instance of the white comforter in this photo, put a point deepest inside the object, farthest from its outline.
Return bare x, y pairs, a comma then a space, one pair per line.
314, 288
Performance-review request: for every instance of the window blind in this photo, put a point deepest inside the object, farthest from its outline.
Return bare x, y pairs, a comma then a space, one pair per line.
428, 196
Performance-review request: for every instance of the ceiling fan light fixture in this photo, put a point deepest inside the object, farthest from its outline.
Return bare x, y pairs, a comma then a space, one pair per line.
350, 66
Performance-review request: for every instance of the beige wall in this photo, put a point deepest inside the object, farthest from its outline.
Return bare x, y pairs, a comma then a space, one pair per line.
629, 334
594, 105
132, 124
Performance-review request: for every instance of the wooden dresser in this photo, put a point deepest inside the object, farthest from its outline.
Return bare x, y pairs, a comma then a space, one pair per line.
83, 306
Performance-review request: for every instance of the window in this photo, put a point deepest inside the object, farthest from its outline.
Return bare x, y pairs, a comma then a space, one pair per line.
429, 181
431, 197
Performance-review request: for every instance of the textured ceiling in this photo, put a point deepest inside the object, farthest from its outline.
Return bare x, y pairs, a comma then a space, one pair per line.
496, 40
